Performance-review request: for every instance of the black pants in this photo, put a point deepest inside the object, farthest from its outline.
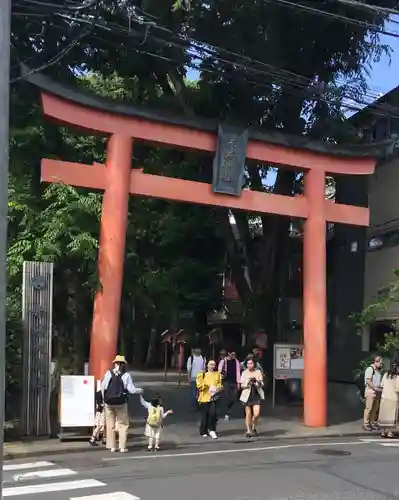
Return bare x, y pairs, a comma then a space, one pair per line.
230, 395
208, 417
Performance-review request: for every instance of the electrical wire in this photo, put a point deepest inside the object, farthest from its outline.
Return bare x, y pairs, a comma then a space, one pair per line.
289, 88
282, 78
284, 75
367, 6
53, 60
270, 86
369, 26
73, 6
199, 46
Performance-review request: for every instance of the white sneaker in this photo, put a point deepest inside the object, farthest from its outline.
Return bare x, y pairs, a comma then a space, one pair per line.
113, 450
204, 435
213, 434
226, 417
124, 450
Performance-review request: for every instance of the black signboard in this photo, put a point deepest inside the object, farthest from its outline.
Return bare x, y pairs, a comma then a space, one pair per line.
229, 162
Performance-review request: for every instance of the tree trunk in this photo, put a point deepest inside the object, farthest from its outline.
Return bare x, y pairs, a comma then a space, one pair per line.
151, 350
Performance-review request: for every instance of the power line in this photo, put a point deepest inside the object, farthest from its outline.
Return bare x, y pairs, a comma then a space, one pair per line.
55, 59
289, 87
324, 13
367, 6
288, 78
199, 45
68, 5
279, 73
291, 79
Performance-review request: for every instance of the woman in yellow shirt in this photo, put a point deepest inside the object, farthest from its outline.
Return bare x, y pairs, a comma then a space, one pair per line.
209, 384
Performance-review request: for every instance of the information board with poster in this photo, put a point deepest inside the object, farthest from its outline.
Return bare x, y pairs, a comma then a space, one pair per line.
288, 363
76, 402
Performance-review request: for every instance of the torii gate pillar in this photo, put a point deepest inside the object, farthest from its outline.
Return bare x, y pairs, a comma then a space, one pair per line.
104, 335
315, 302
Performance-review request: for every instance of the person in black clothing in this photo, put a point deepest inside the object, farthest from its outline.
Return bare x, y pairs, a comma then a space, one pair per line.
222, 356
229, 368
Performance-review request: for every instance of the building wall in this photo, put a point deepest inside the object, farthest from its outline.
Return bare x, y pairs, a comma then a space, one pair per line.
346, 253
384, 223
383, 196
379, 273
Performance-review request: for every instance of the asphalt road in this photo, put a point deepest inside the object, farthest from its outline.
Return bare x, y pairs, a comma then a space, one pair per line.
321, 469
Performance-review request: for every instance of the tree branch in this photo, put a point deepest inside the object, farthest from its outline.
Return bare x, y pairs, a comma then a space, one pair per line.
177, 87
237, 269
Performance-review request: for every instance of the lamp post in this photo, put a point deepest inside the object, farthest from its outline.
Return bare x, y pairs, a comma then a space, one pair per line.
5, 22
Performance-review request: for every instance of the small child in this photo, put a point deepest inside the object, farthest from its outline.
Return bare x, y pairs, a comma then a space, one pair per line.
99, 428
156, 415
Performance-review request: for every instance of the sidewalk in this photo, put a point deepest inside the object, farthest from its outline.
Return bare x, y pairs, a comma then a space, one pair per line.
181, 429
178, 435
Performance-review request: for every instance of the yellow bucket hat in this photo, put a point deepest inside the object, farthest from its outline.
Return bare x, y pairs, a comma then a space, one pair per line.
120, 359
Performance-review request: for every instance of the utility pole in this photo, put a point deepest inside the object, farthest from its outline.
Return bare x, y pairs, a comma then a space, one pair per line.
5, 33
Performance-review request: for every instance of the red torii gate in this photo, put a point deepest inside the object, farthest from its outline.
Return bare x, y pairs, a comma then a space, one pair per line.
124, 124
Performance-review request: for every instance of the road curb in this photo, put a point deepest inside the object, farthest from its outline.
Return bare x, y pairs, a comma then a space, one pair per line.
87, 448
38, 453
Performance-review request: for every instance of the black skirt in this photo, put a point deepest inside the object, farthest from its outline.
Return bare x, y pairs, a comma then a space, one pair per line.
254, 398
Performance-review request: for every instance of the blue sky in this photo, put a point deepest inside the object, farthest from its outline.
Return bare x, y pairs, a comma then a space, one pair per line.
384, 74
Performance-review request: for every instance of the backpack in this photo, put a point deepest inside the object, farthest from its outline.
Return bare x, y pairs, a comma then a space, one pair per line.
192, 360
372, 367
115, 394
154, 418
223, 372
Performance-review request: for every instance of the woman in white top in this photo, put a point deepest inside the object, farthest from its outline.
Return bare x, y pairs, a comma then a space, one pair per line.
388, 414
251, 396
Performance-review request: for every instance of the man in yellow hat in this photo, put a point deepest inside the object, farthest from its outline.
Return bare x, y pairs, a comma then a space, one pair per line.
116, 387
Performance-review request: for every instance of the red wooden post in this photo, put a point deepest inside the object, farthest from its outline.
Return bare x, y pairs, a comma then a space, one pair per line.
105, 328
315, 302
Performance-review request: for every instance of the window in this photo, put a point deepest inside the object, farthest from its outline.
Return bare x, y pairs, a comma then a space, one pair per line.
381, 129
388, 239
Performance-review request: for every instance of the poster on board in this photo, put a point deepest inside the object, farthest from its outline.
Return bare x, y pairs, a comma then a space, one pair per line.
297, 360
283, 360
77, 401
288, 364
288, 361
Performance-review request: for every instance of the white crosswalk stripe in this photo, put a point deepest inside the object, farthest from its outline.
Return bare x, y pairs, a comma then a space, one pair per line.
32, 465
51, 487
117, 495
30, 479
43, 474
388, 443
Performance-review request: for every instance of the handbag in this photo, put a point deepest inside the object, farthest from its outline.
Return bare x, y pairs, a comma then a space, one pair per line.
217, 396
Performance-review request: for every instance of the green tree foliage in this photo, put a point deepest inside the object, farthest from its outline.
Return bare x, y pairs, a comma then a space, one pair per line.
172, 255
389, 346
268, 64
384, 299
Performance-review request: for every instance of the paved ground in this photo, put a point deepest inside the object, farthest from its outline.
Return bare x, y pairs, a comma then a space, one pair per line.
181, 432
181, 429
322, 469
